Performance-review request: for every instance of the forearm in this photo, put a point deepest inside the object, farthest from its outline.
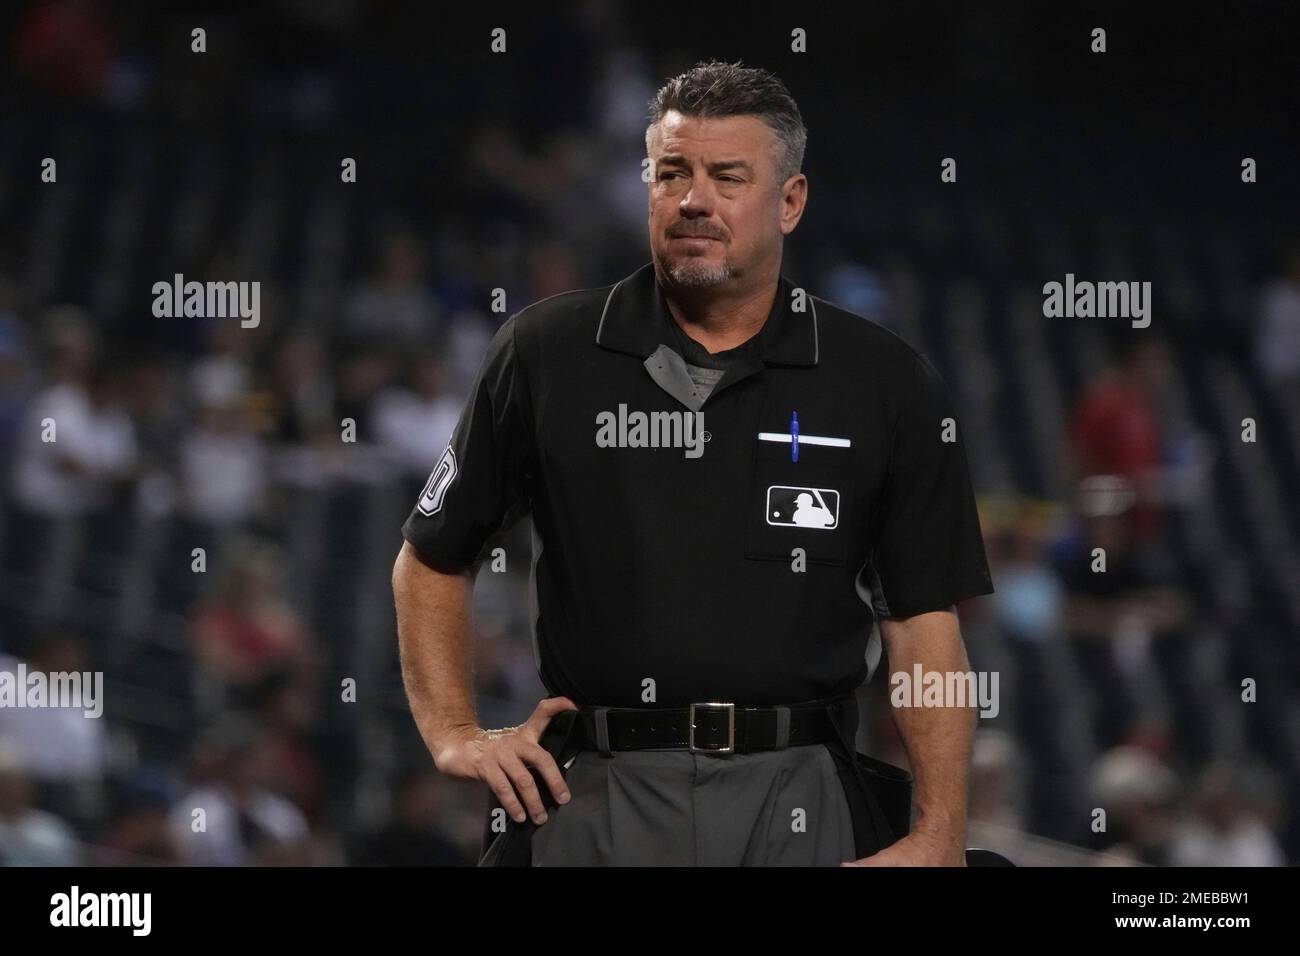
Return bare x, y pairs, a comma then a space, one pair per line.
938, 740
434, 635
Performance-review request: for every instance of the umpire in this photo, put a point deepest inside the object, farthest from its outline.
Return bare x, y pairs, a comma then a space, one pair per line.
730, 481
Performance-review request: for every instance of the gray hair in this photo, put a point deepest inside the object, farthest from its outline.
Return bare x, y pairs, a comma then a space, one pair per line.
715, 88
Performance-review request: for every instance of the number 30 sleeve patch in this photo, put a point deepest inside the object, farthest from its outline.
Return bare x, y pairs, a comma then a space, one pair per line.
435, 489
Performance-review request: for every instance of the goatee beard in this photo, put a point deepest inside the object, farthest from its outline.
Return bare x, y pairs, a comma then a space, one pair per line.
693, 274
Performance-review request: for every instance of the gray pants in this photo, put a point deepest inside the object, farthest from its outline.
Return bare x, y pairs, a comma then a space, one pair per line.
676, 808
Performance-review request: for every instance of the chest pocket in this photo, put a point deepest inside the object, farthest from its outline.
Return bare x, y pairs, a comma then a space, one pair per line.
798, 504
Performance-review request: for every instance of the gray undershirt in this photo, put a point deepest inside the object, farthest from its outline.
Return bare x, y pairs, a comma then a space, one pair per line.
704, 367
704, 379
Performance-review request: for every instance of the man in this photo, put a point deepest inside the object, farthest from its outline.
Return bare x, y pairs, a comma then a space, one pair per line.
703, 632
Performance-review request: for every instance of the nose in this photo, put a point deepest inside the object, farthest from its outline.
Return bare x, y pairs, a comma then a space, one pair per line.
698, 201
694, 221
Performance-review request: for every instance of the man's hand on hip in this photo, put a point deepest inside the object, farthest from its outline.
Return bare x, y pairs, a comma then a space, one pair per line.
500, 758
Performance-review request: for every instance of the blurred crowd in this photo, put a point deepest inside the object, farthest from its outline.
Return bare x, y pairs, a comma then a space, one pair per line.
214, 526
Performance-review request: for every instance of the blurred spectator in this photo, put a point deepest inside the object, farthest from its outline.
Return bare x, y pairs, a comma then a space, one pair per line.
1228, 827
1277, 344
160, 425
413, 424
395, 307
301, 394
1116, 427
248, 630
138, 831
93, 446
363, 374
29, 837
1030, 597
74, 459
63, 751
284, 703
413, 837
295, 411
222, 460
1114, 611
1137, 793
242, 821
1277, 336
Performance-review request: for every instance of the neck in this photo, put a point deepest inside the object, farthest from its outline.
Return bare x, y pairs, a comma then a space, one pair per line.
721, 320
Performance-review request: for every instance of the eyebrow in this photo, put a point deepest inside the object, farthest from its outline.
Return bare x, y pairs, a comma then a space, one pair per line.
676, 159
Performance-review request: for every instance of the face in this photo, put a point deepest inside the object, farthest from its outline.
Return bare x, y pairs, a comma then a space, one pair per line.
717, 212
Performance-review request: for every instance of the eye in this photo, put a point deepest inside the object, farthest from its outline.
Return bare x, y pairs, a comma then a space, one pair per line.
667, 173
729, 179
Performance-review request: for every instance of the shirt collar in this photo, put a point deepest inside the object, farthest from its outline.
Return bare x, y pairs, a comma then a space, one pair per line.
636, 312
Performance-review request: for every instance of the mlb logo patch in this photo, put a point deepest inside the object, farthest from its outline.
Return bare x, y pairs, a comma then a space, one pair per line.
795, 507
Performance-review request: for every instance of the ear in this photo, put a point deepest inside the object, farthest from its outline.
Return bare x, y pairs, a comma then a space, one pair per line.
794, 199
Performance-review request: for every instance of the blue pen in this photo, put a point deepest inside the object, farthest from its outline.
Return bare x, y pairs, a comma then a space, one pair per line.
794, 436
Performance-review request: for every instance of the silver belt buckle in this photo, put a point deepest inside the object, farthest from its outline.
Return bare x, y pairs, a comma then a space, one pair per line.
730, 708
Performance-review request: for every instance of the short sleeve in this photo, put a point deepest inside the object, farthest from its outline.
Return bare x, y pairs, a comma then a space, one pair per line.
929, 550
477, 484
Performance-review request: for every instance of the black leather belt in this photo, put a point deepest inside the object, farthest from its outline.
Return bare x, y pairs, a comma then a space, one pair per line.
707, 727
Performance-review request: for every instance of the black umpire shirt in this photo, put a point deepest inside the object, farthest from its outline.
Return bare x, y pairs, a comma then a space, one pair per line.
726, 569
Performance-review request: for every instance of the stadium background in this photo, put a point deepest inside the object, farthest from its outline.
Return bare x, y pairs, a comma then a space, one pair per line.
521, 171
